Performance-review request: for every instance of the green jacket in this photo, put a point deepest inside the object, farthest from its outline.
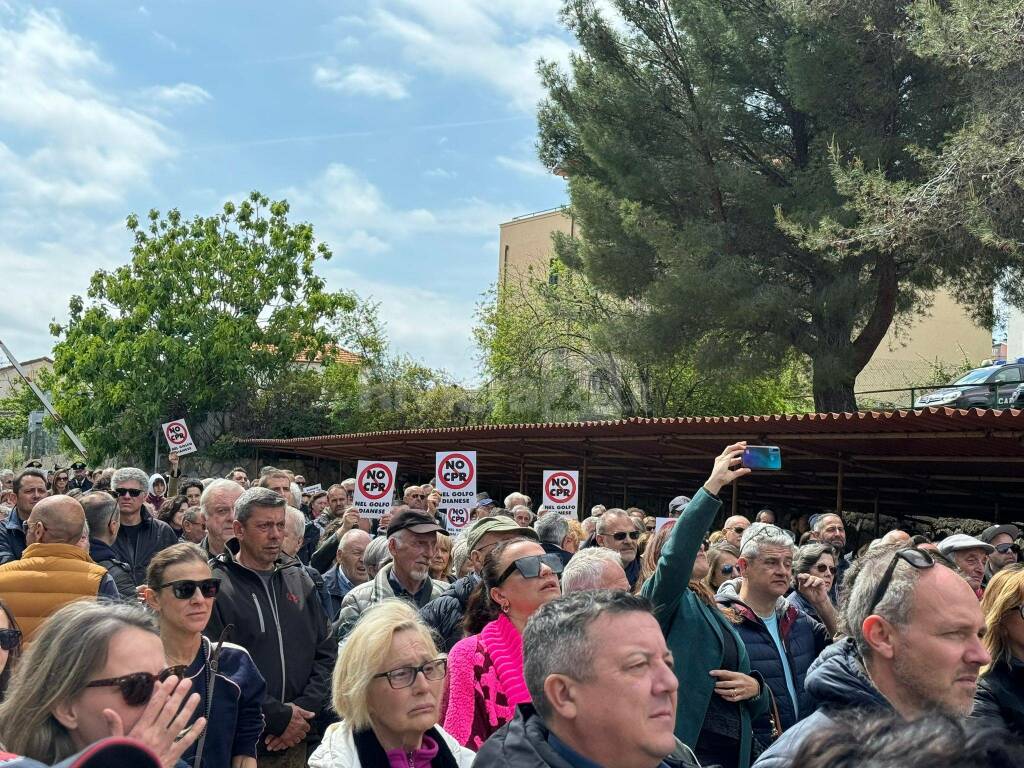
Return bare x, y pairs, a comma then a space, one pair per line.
693, 629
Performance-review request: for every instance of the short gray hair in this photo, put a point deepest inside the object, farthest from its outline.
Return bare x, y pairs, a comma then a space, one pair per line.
256, 497
376, 554
552, 528
295, 520
586, 569
556, 640
191, 515
859, 587
460, 554
614, 512
100, 508
760, 535
522, 507
512, 500
127, 474
218, 485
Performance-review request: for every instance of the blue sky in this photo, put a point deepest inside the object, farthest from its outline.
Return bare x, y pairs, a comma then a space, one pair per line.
402, 129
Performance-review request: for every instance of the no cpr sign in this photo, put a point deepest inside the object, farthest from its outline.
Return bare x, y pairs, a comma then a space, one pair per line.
179, 440
375, 487
456, 480
561, 491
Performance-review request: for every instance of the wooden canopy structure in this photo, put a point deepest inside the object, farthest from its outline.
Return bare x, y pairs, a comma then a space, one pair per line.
936, 462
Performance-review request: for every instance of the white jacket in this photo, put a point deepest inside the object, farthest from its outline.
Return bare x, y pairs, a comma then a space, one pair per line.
338, 749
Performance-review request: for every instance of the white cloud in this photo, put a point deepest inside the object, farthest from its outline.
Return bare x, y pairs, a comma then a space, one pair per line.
440, 173
182, 94
360, 80
521, 166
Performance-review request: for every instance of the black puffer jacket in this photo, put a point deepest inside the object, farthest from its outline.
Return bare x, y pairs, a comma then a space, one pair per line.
999, 701
444, 614
153, 536
523, 743
836, 682
283, 627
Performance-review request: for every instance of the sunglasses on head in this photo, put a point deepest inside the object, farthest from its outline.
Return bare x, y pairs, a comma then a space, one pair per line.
621, 535
1002, 549
917, 558
529, 567
137, 688
10, 639
133, 492
185, 588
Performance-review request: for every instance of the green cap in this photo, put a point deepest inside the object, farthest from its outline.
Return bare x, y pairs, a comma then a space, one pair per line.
496, 524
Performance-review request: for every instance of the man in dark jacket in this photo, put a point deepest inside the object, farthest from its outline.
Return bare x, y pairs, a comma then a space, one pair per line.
102, 516
141, 535
278, 618
553, 532
781, 640
348, 570
444, 614
617, 531
601, 683
81, 479
29, 490
914, 646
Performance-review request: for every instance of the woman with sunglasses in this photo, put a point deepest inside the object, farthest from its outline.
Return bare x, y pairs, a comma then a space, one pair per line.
719, 695
95, 670
722, 559
10, 646
999, 700
387, 687
181, 591
59, 483
816, 560
486, 667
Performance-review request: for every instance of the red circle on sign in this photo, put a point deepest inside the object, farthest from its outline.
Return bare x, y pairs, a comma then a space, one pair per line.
469, 474
458, 517
388, 486
547, 487
176, 433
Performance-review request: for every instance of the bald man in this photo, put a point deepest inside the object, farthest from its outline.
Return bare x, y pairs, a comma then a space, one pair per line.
53, 570
734, 528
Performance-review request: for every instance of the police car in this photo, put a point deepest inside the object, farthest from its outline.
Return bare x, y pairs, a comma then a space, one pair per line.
998, 385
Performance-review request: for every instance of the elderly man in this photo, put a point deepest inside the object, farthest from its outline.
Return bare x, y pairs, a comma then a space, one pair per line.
193, 525
970, 555
522, 515
1003, 539
141, 535
29, 489
415, 497
914, 646
734, 529
617, 531
291, 544
349, 570
554, 534
273, 606
594, 568
103, 521
602, 687
516, 499
218, 507
412, 541
53, 570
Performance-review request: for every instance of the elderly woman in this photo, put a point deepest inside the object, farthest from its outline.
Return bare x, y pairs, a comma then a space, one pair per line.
181, 591
486, 682
817, 560
441, 562
91, 672
722, 558
522, 515
999, 700
387, 687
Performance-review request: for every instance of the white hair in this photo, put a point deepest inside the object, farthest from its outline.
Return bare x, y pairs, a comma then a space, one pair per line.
516, 499
586, 569
215, 487
295, 520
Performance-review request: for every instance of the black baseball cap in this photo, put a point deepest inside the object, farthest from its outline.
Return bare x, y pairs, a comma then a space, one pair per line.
415, 521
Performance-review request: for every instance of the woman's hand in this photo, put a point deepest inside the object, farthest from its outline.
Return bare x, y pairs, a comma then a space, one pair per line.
727, 468
735, 686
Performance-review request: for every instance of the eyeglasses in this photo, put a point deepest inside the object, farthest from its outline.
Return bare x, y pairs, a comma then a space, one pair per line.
10, 639
185, 588
728, 569
822, 568
621, 535
133, 492
403, 677
915, 557
530, 566
137, 688
1002, 549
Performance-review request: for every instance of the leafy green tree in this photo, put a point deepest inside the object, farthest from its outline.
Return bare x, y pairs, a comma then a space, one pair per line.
548, 356
702, 141
207, 318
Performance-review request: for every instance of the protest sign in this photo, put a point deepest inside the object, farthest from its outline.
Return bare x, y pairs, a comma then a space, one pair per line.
561, 491
375, 487
456, 480
311, 489
178, 438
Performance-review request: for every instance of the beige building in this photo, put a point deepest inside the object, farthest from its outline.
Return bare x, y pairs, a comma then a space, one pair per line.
909, 355
10, 381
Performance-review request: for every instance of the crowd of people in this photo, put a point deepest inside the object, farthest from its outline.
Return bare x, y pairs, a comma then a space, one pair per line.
230, 623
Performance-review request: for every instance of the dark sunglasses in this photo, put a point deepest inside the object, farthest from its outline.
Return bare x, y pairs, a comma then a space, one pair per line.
1002, 549
650, 528
10, 639
621, 535
137, 688
184, 589
529, 567
403, 677
728, 569
133, 492
822, 568
738, 530
917, 558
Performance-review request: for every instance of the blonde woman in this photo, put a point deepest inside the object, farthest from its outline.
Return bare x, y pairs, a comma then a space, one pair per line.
441, 562
387, 688
999, 700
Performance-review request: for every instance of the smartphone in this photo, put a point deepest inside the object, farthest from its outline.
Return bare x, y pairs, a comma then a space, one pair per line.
762, 457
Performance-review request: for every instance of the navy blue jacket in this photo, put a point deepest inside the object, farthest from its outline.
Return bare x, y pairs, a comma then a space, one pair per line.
444, 613
12, 538
803, 638
337, 586
836, 682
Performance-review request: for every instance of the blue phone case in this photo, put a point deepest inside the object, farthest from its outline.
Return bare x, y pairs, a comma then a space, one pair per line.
762, 457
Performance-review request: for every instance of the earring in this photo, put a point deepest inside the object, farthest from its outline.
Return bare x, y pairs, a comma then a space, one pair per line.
504, 607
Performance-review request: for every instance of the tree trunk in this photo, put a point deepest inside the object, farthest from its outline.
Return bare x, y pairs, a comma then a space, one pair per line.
833, 393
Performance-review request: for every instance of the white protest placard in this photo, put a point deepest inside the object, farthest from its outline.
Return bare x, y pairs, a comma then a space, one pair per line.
375, 487
456, 480
311, 489
178, 438
561, 491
